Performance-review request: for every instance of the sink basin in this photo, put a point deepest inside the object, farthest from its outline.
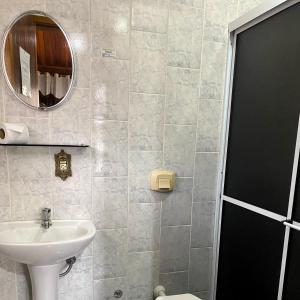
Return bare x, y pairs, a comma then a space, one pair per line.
44, 250
27, 242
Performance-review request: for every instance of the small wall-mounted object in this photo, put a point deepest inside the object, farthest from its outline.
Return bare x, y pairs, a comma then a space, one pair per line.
63, 165
162, 181
109, 53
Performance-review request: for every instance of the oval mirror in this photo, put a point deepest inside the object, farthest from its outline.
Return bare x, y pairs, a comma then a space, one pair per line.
38, 61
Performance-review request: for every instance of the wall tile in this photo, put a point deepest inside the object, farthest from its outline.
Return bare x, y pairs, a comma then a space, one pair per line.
143, 275
7, 279
185, 37
110, 200
246, 5
110, 26
209, 120
142, 163
146, 119
206, 167
28, 163
174, 255
28, 197
3, 166
108, 14
15, 7
104, 289
200, 269
140, 166
183, 2
110, 148
182, 96
74, 17
69, 121
148, 51
23, 282
5, 214
213, 70
81, 43
4, 202
203, 224
175, 283
176, 207
199, 3
218, 13
110, 248
38, 128
83, 71
204, 295
140, 191
71, 13
179, 149
2, 106
78, 284
148, 16
15, 108
144, 227
113, 40
110, 84
72, 198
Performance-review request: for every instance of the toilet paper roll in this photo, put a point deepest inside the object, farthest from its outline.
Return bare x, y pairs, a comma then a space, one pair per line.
14, 133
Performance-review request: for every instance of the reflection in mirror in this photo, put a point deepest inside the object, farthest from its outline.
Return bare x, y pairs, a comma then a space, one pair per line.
38, 61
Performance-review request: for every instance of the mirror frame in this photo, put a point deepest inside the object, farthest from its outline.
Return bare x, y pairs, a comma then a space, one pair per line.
20, 97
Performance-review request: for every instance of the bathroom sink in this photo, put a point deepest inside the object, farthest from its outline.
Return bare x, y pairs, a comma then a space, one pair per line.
27, 242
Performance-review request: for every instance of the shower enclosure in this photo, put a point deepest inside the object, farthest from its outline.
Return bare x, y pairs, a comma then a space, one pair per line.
258, 237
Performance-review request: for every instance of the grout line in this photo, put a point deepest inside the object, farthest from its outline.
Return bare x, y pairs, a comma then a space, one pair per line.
91, 100
184, 68
164, 131
173, 226
128, 143
181, 125
111, 177
109, 120
110, 229
150, 151
205, 247
207, 152
144, 93
8, 182
196, 140
109, 278
174, 272
148, 31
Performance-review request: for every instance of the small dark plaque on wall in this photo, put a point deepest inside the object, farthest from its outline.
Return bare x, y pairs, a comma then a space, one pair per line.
63, 165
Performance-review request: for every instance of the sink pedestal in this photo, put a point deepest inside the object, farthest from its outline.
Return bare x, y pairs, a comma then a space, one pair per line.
44, 281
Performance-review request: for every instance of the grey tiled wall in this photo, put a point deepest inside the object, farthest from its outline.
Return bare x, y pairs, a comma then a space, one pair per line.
157, 104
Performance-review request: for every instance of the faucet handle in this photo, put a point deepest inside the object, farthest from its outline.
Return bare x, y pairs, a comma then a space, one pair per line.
46, 212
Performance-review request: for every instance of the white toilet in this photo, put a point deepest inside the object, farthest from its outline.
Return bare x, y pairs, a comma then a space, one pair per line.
160, 294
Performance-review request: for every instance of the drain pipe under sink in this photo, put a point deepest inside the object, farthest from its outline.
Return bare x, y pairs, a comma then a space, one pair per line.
70, 262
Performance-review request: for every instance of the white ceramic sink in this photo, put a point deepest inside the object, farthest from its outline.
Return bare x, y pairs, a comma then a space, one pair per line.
27, 242
44, 250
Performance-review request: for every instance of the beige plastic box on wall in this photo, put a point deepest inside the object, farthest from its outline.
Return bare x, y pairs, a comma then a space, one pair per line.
162, 181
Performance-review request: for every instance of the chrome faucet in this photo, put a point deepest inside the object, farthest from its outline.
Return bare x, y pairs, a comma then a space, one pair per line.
46, 218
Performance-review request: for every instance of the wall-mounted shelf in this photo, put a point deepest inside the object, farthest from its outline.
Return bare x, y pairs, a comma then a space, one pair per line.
45, 145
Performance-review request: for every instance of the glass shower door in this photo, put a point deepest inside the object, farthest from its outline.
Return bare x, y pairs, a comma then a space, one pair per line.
257, 250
